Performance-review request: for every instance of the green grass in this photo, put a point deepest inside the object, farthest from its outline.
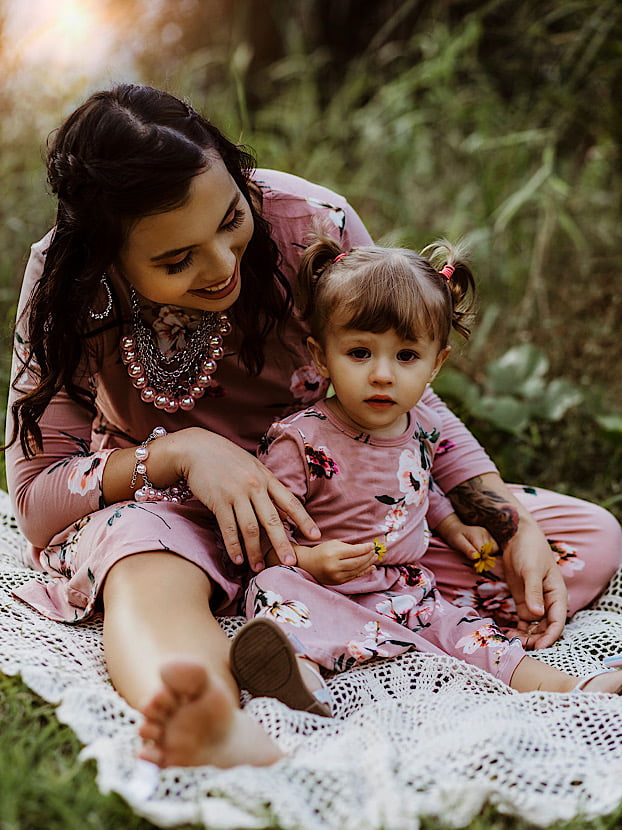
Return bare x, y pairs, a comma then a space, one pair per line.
43, 785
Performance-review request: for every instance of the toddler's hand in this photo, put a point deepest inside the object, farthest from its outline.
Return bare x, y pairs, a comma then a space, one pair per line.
335, 562
471, 540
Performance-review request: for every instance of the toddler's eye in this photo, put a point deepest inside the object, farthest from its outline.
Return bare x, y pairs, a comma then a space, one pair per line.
178, 267
407, 356
359, 354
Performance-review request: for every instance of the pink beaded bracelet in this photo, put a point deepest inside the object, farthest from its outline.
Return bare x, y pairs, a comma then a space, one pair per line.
176, 493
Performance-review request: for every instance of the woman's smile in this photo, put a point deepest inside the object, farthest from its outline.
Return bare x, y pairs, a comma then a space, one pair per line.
220, 289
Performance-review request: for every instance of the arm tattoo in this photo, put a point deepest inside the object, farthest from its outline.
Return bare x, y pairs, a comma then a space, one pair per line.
476, 505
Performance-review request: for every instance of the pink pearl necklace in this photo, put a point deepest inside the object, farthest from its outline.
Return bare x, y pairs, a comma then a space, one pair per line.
176, 382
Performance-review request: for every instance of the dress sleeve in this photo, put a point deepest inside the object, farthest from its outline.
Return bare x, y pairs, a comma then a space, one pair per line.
459, 456
62, 483
354, 233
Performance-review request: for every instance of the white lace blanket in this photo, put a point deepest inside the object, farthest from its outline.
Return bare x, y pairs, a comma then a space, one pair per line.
415, 736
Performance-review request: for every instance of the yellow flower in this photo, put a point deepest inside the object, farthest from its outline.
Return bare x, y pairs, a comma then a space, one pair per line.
486, 558
380, 549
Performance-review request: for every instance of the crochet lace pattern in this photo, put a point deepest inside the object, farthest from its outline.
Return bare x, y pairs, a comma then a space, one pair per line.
415, 736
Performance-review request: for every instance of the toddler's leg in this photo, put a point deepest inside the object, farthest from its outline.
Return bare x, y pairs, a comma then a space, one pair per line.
533, 675
335, 630
440, 627
461, 633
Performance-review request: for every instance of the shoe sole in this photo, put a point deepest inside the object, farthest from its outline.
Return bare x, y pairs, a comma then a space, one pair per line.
263, 662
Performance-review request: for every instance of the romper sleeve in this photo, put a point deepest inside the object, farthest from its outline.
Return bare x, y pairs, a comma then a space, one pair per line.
282, 451
439, 507
62, 483
459, 455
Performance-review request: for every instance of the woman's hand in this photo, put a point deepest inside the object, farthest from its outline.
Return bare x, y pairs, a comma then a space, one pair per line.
334, 562
244, 496
531, 571
537, 586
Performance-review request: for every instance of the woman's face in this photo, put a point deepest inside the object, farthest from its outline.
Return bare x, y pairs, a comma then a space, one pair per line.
190, 256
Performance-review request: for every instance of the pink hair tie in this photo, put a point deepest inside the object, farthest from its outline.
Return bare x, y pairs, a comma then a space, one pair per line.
447, 271
339, 256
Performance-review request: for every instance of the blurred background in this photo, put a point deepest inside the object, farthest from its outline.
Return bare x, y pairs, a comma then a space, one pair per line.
498, 122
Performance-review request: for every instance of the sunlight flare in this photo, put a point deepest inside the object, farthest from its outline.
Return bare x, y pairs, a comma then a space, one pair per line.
69, 36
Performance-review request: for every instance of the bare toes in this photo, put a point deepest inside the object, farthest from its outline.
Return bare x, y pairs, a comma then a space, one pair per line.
150, 731
151, 752
160, 707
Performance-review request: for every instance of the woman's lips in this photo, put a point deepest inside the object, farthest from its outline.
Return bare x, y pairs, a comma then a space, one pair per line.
217, 293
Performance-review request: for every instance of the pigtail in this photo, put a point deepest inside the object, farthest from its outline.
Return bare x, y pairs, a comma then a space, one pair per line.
319, 255
454, 270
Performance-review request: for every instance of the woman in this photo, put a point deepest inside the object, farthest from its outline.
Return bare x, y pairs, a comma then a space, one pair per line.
163, 298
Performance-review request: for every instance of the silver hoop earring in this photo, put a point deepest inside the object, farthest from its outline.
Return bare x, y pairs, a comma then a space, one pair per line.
101, 315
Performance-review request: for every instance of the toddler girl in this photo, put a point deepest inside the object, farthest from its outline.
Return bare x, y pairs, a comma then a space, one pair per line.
360, 462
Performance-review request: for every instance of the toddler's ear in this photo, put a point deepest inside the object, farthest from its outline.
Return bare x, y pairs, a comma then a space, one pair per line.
317, 353
441, 357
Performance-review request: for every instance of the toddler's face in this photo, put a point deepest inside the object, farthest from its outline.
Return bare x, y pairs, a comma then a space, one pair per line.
377, 378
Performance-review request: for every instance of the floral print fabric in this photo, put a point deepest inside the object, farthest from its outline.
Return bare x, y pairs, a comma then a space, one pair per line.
361, 488
340, 630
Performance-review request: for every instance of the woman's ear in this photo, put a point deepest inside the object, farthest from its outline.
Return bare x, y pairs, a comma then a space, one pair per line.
317, 353
441, 357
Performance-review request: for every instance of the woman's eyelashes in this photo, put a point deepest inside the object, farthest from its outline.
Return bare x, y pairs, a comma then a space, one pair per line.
230, 225
235, 221
178, 267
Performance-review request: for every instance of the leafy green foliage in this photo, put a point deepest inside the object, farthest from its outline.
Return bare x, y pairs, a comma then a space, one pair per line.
513, 392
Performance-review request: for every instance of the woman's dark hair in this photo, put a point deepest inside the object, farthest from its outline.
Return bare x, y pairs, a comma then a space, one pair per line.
126, 153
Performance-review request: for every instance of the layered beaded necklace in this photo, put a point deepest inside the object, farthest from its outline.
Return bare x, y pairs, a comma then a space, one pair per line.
178, 381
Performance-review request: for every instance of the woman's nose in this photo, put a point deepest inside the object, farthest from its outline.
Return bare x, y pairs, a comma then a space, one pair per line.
220, 262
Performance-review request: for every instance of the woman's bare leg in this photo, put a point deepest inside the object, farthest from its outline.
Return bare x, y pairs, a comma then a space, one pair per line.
169, 658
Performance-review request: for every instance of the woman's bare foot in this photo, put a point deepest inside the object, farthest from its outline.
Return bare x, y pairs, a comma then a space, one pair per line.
192, 720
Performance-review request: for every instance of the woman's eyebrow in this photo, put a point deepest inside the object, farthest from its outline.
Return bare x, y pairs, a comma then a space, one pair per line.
173, 252
177, 251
